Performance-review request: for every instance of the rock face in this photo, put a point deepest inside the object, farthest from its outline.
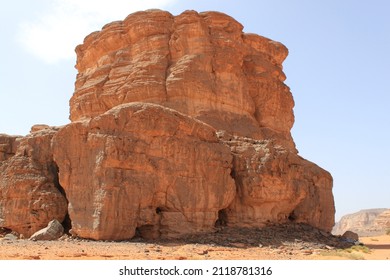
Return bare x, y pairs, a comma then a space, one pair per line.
274, 184
382, 221
153, 169
366, 222
7, 146
178, 123
30, 195
200, 64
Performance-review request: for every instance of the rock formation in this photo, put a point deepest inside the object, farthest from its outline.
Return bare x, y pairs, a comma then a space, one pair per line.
30, 196
366, 222
200, 64
7, 146
177, 123
153, 168
274, 184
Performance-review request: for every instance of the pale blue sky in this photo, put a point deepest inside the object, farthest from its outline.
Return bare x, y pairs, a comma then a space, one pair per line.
337, 69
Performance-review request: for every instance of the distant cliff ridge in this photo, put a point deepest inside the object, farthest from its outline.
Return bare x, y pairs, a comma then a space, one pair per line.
367, 222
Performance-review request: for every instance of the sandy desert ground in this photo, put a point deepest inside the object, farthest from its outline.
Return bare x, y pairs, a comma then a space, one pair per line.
277, 243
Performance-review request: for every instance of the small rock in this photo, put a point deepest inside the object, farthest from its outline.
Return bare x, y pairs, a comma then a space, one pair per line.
64, 237
53, 231
239, 245
10, 237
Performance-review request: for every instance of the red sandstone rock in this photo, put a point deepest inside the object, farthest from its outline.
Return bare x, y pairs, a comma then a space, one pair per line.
29, 190
200, 64
274, 185
177, 122
7, 146
142, 166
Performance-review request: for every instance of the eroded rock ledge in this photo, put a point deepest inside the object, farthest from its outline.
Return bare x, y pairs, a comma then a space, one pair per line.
178, 123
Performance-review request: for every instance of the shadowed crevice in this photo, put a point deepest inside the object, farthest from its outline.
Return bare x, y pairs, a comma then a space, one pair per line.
222, 218
66, 223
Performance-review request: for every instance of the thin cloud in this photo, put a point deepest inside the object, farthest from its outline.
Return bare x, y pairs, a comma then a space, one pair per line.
64, 25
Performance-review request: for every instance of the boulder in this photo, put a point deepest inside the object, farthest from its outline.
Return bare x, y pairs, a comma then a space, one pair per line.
53, 231
351, 236
10, 237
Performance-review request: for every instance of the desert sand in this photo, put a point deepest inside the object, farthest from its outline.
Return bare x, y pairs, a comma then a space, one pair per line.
277, 243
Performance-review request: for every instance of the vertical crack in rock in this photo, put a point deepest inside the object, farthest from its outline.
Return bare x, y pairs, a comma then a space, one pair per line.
29, 198
66, 223
151, 163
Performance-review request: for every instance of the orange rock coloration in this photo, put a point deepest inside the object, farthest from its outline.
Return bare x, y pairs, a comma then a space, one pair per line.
276, 185
178, 123
154, 169
200, 64
30, 195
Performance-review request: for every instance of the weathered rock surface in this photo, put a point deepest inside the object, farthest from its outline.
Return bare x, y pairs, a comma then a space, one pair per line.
382, 221
7, 146
29, 190
365, 222
276, 185
53, 231
151, 168
200, 64
178, 123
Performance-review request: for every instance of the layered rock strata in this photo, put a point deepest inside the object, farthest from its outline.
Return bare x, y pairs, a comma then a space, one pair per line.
200, 64
367, 222
178, 123
30, 196
152, 169
276, 185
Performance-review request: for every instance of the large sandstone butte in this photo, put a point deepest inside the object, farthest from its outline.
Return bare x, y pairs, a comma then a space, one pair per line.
178, 123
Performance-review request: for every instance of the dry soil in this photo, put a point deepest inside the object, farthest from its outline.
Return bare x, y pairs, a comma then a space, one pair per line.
284, 242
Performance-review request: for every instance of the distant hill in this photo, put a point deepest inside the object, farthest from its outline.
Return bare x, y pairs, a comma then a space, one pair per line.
366, 222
